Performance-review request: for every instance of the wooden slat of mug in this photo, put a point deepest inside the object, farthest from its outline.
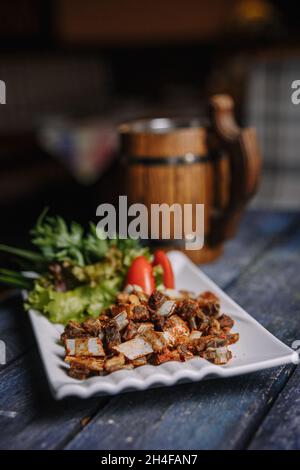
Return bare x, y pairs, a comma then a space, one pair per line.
170, 185
180, 184
159, 144
189, 179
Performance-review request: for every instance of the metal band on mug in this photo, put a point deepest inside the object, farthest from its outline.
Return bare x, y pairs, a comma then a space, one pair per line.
187, 159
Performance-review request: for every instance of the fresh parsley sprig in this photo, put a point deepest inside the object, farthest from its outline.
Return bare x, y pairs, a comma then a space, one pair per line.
58, 242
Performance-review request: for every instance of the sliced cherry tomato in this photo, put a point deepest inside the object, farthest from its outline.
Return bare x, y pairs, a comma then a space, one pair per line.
140, 273
161, 258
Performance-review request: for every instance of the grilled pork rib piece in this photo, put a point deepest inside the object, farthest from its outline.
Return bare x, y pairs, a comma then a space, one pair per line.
140, 329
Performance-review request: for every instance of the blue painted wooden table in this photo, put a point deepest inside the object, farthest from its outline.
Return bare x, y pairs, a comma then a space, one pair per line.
260, 269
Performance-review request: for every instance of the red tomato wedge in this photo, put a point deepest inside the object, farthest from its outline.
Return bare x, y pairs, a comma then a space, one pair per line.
140, 273
161, 258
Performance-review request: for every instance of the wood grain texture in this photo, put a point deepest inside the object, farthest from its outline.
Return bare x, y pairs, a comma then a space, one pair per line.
15, 330
258, 230
219, 168
213, 414
184, 183
280, 429
39, 422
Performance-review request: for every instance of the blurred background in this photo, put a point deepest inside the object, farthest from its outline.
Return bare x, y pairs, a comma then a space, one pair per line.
74, 69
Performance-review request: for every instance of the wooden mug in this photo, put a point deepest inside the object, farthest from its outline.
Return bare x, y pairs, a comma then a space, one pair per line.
215, 163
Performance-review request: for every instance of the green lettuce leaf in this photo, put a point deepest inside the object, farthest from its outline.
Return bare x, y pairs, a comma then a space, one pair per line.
76, 304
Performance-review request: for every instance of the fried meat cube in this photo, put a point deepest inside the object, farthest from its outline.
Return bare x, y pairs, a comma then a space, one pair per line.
194, 336
172, 294
138, 291
174, 329
93, 326
121, 320
118, 308
165, 356
226, 322
156, 299
188, 310
79, 372
135, 348
197, 345
74, 329
140, 361
218, 356
136, 329
91, 363
130, 331
214, 327
144, 326
115, 363
112, 334
187, 294
156, 339
209, 303
215, 341
184, 353
166, 309
122, 297
134, 299
84, 347
140, 313
233, 338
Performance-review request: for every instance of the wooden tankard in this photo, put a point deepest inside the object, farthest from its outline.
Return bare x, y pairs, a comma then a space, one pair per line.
215, 163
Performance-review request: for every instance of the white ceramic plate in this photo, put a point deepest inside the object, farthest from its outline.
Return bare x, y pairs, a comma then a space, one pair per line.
257, 349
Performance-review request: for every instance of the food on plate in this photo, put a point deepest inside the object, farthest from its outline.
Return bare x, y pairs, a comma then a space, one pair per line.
140, 329
117, 300
76, 273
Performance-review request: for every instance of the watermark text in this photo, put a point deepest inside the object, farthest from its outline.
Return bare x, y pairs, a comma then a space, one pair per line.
160, 222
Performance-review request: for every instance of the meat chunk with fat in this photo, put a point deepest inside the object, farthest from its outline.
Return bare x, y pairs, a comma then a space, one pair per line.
156, 299
93, 327
135, 348
74, 329
226, 322
174, 329
91, 363
112, 334
140, 313
209, 303
157, 339
218, 356
115, 363
84, 347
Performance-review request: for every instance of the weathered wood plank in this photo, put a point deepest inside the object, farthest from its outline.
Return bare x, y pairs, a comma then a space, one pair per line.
19, 393
280, 429
15, 329
25, 401
43, 423
257, 231
219, 414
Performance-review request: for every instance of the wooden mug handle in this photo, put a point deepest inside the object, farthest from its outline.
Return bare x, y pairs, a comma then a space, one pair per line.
241, 147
